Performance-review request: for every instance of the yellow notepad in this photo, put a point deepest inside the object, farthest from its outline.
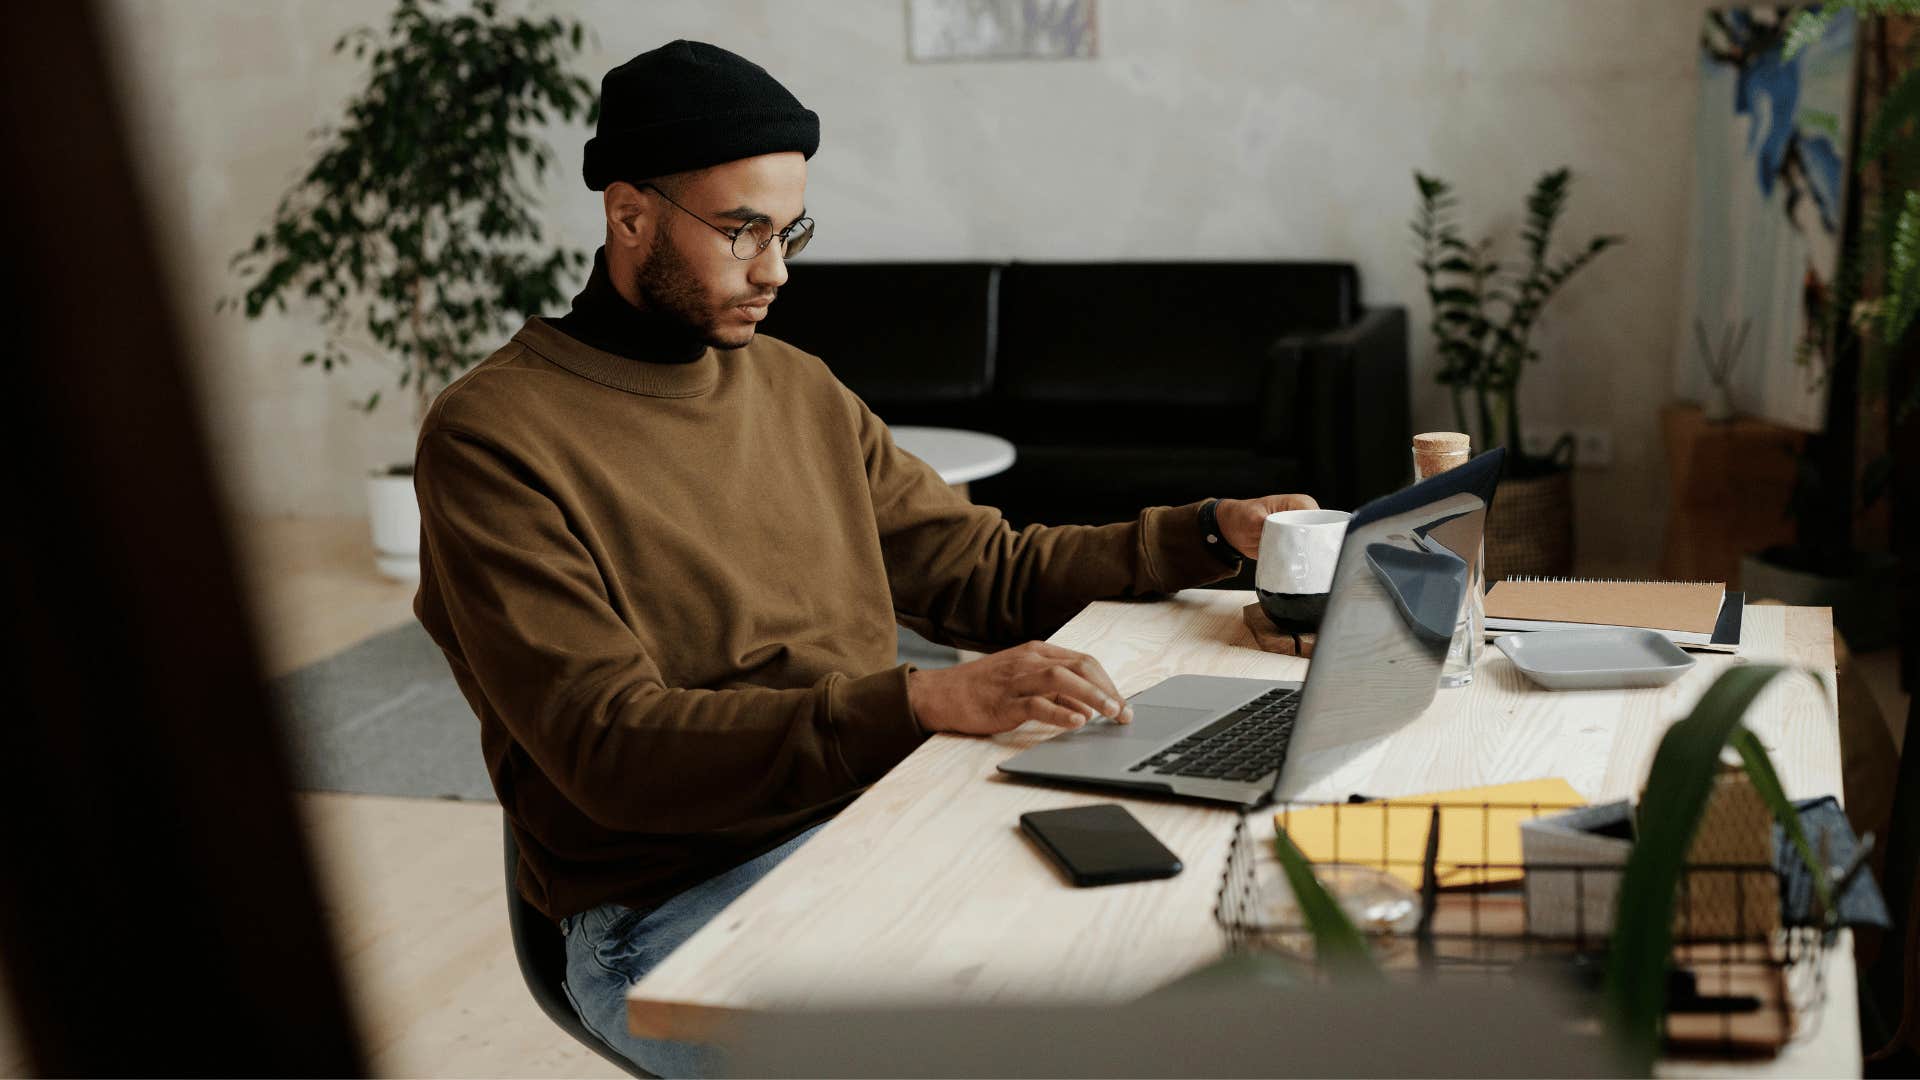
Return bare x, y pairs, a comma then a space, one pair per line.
1479, 830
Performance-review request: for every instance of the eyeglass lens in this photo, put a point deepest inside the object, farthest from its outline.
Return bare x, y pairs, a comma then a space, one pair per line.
753, 239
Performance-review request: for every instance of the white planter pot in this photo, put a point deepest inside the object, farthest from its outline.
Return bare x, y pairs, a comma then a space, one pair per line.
396, 525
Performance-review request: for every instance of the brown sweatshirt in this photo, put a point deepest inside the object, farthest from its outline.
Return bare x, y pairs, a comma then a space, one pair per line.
669, 593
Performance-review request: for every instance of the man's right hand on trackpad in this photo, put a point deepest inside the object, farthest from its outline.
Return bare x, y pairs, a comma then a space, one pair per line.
1001, 691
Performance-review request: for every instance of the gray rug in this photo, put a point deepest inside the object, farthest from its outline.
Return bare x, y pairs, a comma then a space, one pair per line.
386, 718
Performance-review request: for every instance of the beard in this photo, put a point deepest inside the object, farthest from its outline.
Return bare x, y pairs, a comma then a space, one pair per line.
668, 287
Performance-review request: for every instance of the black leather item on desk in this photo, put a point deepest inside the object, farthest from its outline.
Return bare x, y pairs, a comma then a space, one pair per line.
1831, 838
1124, 385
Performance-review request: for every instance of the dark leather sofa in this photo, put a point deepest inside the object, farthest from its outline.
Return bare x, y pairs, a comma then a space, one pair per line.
1124, 385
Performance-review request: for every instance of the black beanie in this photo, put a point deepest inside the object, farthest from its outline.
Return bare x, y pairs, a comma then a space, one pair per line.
688, 105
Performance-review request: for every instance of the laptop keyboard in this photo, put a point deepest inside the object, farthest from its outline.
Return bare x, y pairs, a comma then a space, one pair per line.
1246, 744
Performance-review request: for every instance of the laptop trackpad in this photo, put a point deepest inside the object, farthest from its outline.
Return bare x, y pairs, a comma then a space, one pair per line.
1209, 693
1153, 722
1103, 745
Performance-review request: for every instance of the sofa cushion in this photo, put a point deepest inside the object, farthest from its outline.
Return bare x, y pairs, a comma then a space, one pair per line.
1181, 333
1109, 422
918, 333
1101, 484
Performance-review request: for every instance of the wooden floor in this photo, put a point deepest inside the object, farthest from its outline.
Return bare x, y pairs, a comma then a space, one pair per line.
418, 907
414, 886
1881, 669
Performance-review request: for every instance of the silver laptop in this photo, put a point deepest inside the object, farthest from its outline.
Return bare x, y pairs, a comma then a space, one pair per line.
1396, 596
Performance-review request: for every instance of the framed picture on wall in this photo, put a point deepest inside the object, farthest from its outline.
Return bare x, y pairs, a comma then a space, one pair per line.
1769, 185
1000, 30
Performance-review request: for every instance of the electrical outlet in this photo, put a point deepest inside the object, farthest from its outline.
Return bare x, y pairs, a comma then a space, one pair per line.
1593, 448
1537, 443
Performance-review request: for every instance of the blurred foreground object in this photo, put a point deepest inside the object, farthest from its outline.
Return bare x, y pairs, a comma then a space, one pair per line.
158, 913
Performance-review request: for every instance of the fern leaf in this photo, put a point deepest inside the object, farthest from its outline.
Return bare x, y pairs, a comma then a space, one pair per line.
1822, 121
1431, 187
1807, 28
1900, 107
1902, 301
1544, 204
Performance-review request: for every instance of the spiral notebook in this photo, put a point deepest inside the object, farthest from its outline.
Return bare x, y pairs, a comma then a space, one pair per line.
1696, 614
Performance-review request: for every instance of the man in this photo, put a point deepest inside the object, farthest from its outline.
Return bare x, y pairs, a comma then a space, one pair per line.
665, 557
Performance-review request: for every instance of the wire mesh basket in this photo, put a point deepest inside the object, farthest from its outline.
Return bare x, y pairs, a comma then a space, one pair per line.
1491, 891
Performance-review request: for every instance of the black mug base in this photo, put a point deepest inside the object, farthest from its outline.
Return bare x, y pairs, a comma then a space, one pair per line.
1294, 613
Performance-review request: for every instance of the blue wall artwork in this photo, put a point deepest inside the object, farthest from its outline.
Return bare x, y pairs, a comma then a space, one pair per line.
1769, 183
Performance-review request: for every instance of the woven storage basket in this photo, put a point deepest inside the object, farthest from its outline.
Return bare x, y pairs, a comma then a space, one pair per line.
1530, 530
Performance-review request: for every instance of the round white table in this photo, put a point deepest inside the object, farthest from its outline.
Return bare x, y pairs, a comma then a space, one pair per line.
958, 456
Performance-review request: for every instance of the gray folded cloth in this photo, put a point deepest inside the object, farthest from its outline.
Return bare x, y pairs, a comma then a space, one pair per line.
1832, 839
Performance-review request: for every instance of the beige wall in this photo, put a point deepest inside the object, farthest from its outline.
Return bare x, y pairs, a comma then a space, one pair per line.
1206, 128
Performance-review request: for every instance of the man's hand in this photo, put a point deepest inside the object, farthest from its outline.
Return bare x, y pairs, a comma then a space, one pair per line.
997, 693
1241, 520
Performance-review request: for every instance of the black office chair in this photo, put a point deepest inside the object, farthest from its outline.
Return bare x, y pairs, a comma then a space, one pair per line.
542, 953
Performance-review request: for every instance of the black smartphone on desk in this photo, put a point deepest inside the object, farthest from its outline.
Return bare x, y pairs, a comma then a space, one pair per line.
1100, 845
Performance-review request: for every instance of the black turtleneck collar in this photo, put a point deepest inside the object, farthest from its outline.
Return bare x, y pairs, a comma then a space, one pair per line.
602, 319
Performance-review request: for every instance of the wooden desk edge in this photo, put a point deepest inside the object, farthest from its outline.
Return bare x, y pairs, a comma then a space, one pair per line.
648, 1019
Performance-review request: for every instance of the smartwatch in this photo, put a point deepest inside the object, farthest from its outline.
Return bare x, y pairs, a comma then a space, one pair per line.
1216, 542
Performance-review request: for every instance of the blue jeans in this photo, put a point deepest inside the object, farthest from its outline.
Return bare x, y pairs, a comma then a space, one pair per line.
610, 947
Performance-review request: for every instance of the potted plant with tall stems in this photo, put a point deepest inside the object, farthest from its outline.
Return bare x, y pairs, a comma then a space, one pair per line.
1484, 315
413, 235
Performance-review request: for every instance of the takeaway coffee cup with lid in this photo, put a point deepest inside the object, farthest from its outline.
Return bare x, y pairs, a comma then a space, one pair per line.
1298, 551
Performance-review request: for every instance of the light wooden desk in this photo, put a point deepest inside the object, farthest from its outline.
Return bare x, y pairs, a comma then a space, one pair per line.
923, 891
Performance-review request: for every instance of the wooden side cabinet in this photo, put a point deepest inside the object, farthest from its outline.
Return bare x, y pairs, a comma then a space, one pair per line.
1728, 488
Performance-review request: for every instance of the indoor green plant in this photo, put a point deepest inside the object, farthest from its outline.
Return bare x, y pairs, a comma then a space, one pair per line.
413, 233
1678, 786
1677, 790
1484, 313
1675, 797
1868, 350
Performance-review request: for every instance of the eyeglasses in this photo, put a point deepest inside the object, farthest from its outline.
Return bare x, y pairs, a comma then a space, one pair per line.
751, 239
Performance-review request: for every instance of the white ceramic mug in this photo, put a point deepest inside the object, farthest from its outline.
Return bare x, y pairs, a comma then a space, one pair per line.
1298, 551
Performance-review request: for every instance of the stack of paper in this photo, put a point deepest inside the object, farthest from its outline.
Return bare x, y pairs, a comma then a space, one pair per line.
1479, 831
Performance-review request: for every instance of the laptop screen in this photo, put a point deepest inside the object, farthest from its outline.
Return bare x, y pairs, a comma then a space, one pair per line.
1398, 591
